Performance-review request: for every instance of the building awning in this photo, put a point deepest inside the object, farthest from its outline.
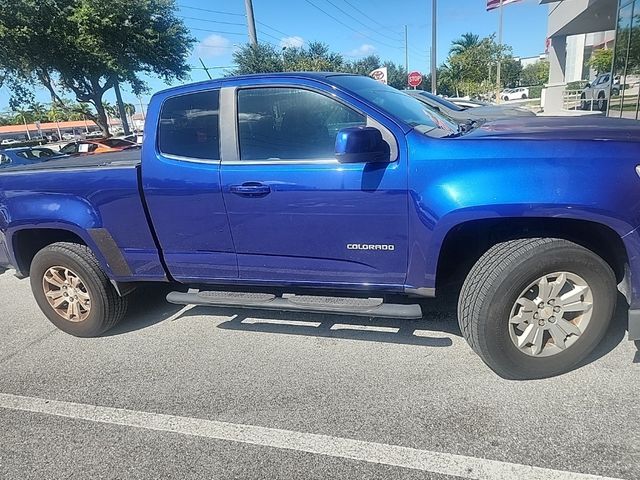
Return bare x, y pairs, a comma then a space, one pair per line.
573, 17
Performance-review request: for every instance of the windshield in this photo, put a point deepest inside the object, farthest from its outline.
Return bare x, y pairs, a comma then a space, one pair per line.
442, 101
399, 104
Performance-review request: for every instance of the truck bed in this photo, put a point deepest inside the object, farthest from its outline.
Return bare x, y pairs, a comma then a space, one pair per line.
95, 197
125, 158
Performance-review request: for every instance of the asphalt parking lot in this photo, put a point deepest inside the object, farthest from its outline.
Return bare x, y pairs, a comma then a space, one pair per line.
205, 393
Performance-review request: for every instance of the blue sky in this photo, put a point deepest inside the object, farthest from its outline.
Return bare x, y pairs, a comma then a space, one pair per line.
373, 26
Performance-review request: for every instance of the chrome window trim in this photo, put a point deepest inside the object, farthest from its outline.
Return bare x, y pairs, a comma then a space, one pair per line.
187, 159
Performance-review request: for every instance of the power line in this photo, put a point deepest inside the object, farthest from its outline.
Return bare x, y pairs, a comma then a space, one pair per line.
349, 26
270, 36
212, 21
364, 14
213, 11
274, 29
217, 31
361, 23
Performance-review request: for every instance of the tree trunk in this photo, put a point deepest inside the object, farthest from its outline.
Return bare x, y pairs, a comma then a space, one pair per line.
101, 117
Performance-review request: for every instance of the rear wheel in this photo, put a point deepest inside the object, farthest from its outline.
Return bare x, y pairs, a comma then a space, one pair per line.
602, 102
73, 292
534, 308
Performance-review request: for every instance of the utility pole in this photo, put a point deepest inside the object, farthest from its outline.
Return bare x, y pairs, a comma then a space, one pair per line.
499, 55
251, 23
406, 52
434, 37
123, 113
205, 68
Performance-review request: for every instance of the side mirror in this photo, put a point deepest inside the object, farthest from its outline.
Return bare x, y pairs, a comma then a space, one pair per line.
362, 145
588, 85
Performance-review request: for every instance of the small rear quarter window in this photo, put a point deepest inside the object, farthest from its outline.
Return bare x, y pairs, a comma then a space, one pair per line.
189, 126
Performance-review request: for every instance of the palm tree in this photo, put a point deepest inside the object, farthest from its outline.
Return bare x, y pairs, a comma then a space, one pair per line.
38, 110
464, 43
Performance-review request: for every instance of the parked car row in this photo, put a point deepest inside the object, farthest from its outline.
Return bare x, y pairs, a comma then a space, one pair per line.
19, 156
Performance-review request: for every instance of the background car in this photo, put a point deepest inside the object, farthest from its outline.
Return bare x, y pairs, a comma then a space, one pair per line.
465, 114
95, 134
596, 94
520, 93
9, 141
97, 146
27, 156
134, 137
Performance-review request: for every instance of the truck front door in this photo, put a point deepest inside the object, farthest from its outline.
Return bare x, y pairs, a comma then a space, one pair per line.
296, 214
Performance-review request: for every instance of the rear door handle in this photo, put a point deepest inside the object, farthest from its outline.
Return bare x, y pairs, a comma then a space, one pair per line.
251, 189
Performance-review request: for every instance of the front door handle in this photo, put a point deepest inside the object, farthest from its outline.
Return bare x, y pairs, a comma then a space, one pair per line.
251, 189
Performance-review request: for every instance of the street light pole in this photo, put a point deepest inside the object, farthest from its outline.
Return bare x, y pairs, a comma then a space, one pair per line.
406, 51
499, 55
121, 110
251, 23
434, 37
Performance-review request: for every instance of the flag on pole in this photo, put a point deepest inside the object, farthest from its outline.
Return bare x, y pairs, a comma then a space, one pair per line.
493, 4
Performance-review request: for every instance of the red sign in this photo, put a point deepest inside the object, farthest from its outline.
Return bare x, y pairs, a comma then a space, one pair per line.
415, 79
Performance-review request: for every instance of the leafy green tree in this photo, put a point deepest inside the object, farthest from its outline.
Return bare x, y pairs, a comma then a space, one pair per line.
535, 73
601, 60
468, 70
510, 72
396, 75
364, 66
85, 46
464, 43
316, 57
263, 58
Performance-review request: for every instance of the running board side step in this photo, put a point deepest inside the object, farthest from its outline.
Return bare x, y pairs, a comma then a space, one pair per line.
366, 307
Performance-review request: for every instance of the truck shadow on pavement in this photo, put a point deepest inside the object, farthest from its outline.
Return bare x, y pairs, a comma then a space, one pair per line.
437, 328
148, 307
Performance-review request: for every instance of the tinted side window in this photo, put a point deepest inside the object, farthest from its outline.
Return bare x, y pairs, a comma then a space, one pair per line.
189, 126
290, 123
116, 142
69, 148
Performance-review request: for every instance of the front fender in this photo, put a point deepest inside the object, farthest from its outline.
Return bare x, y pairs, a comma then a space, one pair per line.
455, 181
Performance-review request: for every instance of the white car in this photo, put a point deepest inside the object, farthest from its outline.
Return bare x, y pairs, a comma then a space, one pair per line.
520, 93
9, 141
596, 94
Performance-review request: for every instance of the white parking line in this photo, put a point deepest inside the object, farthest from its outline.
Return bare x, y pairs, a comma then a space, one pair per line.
364, 328
273, 321
380, 453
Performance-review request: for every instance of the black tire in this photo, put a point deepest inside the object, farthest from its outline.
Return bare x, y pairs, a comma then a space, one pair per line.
602, 102
494, 284
107, 307
583, 102
524, 96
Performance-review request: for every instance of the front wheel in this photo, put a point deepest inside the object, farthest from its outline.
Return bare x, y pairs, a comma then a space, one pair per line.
73, 292
535, 307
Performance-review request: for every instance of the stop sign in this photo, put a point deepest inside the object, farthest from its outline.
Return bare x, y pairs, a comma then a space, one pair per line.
415, 79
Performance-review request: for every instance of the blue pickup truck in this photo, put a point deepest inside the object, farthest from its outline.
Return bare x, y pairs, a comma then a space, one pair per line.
335, 193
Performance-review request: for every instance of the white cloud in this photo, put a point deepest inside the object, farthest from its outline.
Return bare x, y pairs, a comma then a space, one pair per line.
292, 42
362, 51
213, 46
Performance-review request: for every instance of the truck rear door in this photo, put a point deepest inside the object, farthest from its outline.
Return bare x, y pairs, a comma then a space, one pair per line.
181, 182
